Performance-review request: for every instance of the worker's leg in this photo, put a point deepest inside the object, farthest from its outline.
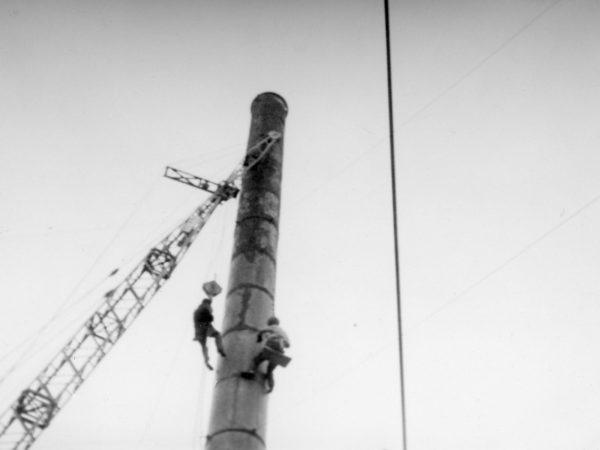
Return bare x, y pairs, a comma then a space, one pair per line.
201, 338
250, 373
256, 362
219, 343
269, 379
205, 353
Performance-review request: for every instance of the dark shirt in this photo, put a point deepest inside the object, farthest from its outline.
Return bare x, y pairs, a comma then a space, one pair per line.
203, 314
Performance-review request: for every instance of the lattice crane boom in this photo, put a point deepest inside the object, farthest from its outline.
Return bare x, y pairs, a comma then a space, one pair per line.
42, 399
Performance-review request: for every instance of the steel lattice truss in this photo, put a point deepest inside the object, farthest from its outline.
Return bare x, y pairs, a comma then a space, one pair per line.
39, 402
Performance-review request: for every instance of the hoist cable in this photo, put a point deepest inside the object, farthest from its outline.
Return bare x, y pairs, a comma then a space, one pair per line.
395, 220
199, 430
162, 388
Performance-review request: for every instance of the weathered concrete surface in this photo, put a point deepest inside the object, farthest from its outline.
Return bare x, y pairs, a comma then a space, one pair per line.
239, 411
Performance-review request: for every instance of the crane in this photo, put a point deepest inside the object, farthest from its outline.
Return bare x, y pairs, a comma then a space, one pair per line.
32, 412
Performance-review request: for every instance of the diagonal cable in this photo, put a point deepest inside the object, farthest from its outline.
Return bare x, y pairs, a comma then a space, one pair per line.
518, 254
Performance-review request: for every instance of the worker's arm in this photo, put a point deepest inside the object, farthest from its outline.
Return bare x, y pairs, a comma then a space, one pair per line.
260, 335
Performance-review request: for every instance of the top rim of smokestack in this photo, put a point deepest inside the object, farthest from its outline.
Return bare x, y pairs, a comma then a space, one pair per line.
269, 98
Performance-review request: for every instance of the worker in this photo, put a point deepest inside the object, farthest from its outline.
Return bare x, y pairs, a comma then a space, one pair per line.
274, 342
203, 318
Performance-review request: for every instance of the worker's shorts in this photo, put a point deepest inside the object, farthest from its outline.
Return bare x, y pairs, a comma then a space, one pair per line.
206, 330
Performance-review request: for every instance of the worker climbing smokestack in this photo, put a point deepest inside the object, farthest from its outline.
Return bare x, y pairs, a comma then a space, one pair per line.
274, 342
238, 417
203, 319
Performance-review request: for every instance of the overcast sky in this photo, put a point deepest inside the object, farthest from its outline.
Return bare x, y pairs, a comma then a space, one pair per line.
497, 141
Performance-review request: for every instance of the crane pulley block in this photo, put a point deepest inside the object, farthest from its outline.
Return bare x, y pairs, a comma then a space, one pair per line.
160, 262
34, 408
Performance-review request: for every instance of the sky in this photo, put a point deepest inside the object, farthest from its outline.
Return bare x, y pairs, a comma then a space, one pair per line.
496, 136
